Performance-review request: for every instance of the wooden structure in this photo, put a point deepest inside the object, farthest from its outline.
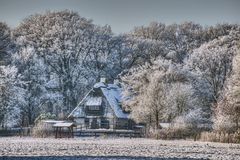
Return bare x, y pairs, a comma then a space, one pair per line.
101, 108
63, 129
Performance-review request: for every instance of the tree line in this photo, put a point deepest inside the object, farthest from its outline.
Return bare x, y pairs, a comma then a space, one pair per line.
184, 73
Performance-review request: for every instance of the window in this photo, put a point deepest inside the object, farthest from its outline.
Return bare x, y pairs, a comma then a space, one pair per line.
94, 108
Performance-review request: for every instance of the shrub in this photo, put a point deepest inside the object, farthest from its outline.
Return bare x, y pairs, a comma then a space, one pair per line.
186, 126
224, 123
173, 133
44, 116
236, 136
222, 137
42, 130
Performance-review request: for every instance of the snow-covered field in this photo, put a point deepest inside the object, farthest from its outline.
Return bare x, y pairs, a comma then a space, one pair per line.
110, 148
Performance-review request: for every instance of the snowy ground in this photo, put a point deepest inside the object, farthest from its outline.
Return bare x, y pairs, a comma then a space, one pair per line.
110, 148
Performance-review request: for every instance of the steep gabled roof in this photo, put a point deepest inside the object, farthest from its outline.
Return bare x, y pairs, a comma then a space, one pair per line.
94, 101
77, 111
113, 94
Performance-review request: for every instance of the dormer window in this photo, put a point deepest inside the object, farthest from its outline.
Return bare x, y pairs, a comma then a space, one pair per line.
94, 103
94, 108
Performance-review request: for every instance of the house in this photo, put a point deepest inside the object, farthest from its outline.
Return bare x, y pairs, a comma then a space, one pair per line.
101, 108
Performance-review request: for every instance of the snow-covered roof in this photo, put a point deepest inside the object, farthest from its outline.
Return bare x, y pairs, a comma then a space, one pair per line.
76, 112
113, 94
94, 101
99, 84
64, 124
52, 121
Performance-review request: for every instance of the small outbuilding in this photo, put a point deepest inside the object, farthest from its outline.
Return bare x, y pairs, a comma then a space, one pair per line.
63, 129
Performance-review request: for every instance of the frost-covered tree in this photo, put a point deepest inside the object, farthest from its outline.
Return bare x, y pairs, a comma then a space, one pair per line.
228, 109
122, 55
5, 41
158, 92
168, 71
181, 100
75, 53
180, 40
177, 40
213, 32
195, 119
33, 72
71, 48
153, 31
127, 51
11, 97
211, 64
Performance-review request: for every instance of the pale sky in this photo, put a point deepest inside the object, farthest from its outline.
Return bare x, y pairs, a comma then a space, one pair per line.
123, 15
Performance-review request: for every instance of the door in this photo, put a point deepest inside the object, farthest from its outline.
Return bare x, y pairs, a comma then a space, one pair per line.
94, 124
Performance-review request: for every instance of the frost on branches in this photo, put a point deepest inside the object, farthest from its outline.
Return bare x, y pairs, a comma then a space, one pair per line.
5, 43
61, 55
178, 73
159, 93
228, 108
12, 97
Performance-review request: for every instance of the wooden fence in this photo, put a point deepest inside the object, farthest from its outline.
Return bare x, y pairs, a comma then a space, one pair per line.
26, 131
108, 132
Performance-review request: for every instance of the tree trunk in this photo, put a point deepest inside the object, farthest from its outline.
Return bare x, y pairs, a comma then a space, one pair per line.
237, 123
157, 120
